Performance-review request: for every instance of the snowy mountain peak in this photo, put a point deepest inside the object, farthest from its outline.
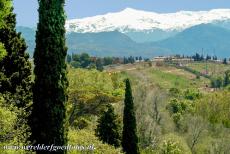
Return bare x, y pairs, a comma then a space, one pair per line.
129, 10
137, 20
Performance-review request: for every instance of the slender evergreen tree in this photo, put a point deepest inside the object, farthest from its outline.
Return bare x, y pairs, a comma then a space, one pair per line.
50, 95
108, 128
129, 134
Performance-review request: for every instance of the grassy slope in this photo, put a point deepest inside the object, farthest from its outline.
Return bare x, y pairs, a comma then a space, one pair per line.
164, 76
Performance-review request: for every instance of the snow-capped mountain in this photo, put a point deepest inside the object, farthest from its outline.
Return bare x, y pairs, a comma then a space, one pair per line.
139, 21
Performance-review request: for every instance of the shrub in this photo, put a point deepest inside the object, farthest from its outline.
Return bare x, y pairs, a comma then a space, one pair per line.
87, 138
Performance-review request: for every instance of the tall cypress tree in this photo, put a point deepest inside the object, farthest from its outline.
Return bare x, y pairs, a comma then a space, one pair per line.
108, 128
15, 65
129, 135
49, 110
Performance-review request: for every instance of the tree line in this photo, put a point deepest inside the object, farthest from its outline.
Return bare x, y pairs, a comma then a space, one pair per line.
84, 60
200, 57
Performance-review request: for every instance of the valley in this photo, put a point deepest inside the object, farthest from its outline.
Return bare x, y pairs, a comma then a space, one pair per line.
159, 93
128, 81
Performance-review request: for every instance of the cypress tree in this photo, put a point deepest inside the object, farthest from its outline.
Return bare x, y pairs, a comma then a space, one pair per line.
50, 95
108, 128
129, 134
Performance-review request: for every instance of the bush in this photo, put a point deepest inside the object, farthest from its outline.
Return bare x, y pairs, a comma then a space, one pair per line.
173, 144
174, 92
192, 94
9, 135
87, 138
81, 123
215, 107
216, 82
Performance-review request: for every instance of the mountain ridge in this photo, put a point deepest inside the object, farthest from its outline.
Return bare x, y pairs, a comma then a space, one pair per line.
207, 36
138, 20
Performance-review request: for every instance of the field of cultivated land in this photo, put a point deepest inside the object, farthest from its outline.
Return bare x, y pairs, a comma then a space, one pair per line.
164, 77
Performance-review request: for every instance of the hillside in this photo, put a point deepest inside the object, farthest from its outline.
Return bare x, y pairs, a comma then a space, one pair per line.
150, 36
214, 41
99, 44
109, 44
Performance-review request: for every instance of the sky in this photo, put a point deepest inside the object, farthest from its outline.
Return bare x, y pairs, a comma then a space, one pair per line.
27, 15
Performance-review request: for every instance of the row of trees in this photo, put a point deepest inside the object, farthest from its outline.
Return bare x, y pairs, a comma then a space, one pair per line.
84, 60
200, 57
108, 129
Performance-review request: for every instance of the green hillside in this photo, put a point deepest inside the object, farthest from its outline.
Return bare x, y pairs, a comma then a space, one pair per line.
172, 105
175, 110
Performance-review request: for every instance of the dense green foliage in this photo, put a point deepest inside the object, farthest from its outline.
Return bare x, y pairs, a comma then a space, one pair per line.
2, 51
15, 80
108, 128
88, 93
50, 89
221, 81
84, 60
216, 82
214, 107
87, 138
15, 65
88, 98
129, 134
5, 8
226, 81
